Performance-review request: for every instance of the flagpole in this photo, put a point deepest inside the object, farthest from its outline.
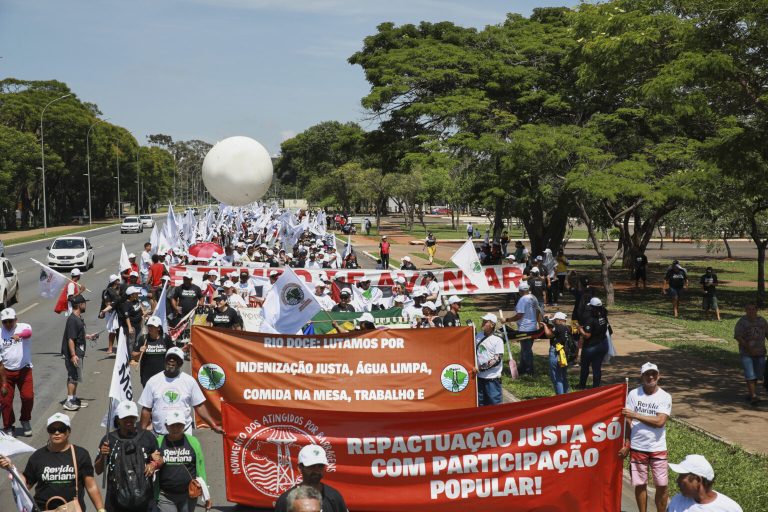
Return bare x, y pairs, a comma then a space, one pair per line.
106, 434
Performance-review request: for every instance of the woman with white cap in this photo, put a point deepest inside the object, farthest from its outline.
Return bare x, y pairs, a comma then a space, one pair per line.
71, 465
150, 349
110, 302
594, 336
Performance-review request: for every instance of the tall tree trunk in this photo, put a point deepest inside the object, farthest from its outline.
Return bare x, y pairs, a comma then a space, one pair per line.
728, 251
761, 245
605, 262
498, 219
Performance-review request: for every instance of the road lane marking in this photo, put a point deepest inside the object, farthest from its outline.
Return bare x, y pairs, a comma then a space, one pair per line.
27, 308
99, 246
101, 271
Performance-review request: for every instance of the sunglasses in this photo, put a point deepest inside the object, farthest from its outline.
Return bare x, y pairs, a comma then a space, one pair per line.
58, 430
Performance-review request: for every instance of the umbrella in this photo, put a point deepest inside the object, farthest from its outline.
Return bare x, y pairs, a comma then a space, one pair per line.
205, 250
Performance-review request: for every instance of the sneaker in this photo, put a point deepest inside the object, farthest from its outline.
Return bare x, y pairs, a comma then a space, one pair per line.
69, 405
26, 428
9, 431
81, 404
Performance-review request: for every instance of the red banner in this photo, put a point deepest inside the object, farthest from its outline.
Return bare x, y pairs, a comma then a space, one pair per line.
452, 281
552, 454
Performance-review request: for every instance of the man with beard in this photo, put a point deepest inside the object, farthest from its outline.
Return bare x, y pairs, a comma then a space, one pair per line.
312, 464
172, 390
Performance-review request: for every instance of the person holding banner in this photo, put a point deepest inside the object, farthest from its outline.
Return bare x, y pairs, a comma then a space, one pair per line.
648, 407
60, 472
489, 349
312, 464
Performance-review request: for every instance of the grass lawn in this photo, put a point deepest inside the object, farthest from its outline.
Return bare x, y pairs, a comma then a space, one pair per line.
445, 231
437, 261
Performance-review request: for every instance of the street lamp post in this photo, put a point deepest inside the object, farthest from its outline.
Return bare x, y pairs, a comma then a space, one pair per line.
138, 189
117, 166
88, 163
42, 153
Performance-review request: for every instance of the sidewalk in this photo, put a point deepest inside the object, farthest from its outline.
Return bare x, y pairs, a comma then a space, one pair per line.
705, 394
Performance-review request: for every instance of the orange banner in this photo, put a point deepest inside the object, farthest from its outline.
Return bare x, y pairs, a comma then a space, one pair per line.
380, 370
552, 454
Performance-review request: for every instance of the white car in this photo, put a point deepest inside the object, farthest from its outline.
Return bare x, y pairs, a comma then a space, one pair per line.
9, 283
147, 221
131, 224
71, 252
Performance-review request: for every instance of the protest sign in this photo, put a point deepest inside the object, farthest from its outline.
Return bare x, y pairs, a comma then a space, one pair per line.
554, 454
380, 370
498, 278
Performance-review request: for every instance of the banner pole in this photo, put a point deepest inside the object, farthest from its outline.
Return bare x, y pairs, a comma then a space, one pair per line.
106, 464
509, 349
626, 392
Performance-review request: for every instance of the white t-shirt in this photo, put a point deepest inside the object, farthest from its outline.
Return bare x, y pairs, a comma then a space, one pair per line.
163, 395
433, 288
146, 262
528, 305
644, 437
16, 355
325, 302
486, 350
722, 503
236, 301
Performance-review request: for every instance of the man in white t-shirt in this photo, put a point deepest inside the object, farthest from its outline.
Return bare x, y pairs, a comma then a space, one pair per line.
489, 349
695, 480
324, 300
16, 363
172, 390
649, 408
527, 314
146, 262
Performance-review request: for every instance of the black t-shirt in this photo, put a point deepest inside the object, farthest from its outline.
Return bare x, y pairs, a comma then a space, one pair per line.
177, 455
451, 320
54, 475
538, 285
332, 500
143, 439
430, 241
153, 360
676, 277
709, 282
343, 308
110, 297
130, 311
188, 296
597, 326
436, 322
641, 262
227, 319
408, 265
74, 330
561, 334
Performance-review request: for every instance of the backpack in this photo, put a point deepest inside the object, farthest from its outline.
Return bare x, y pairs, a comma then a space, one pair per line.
132, 489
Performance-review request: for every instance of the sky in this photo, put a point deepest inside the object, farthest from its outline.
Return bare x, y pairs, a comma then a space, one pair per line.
211, 69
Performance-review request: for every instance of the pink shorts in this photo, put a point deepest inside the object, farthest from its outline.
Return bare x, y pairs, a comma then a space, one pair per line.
638, 467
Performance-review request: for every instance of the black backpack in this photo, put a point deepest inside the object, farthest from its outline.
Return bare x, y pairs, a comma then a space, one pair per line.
132, 489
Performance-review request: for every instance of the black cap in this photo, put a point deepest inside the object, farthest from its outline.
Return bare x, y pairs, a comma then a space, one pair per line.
429, 273
78, 299
219, 297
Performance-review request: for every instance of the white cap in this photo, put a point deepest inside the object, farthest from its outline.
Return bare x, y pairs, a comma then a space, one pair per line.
7, 314
263, 246
175, 418
133, 273
418, 292
594, 301
270, 252
59, 418
132, 255
113, 278
560, 316
383, 236
213, 273
312, 454
165, 278
399, 298
366, 317
695, 465
228, 284
429, 304
186, 275
132, 289
274, 273
319, 283
127, 408
400, 280
523, 287
647, 367
175, 351
535, 270
454, 299
490, 317
75, 272
154, 321
406, 258
511, 257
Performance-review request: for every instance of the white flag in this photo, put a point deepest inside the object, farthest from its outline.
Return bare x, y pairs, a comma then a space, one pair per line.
121, 387
162, 243
124, 263
160, 308
21, 495
466, 259
171, 228
10, 446
51, 282
154, 239
348, 247
289, 305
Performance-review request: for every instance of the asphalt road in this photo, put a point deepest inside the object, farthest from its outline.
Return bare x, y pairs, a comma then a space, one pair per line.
49, 374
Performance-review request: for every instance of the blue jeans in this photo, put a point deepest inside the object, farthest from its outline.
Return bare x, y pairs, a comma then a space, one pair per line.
592, 356
526, 357
754, 367
558, 374
488, 391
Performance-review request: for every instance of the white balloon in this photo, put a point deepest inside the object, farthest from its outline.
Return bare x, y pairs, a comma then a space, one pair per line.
237, 171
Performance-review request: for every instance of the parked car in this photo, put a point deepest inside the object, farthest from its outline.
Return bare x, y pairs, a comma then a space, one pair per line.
440, 210
71, 252
147, 221
2, 249
131, 224
9, 283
